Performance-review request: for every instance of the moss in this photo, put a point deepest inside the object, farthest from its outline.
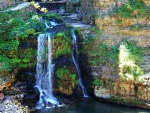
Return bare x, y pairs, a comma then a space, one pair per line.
62, 45
78, 32
136, 27
96, 82
128, 101
118, 22
64, 74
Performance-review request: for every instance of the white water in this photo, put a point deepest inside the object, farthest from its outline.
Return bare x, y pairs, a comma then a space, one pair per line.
50, 24
46, 25
44, 72
54, 23
75, 60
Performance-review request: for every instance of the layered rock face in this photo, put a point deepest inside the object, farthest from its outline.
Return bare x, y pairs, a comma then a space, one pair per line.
113, 85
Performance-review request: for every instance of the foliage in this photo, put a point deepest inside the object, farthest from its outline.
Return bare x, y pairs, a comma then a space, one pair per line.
62, 45
64, 75
96, 30
137, 27
97, 82
50, 16
136, 102
78, 31
133, 9
118, 22
13, 31
100, 54
135, 52
88, 39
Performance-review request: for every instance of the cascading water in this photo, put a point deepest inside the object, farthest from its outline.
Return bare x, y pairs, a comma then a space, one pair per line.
75, 60
50, 24
44, 72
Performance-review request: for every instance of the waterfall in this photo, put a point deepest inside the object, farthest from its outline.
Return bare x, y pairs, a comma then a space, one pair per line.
44, 72
75, 60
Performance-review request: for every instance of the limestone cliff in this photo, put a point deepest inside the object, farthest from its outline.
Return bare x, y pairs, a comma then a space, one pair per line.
118, 77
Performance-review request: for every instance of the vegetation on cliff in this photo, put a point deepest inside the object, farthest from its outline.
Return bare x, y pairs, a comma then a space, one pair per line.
62, 45
124, 59
133, 9
14, 31
64, 75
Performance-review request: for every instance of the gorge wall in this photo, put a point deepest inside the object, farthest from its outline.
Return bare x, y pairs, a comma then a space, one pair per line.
113, 78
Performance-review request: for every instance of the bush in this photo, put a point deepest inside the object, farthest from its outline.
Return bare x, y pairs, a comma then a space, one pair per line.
14, 30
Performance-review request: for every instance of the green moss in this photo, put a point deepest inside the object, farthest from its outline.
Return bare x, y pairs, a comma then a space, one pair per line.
135, 27
62, 45
115, 98
100, 53
63, 74
96, 82
118, 22
135, 102
78, 31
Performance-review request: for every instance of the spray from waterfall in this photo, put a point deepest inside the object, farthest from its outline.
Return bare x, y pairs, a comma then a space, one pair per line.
75, 60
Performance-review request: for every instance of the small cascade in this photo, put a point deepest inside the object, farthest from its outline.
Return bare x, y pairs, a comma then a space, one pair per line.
75, 60
44, 72
54, 22
50, 24
46, 25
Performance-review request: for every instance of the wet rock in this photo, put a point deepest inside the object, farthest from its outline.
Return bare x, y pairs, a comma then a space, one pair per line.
49, 105
2, 97
78, 94
61, 11
36, 91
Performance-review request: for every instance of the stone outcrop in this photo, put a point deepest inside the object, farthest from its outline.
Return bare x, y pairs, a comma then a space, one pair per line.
11, 105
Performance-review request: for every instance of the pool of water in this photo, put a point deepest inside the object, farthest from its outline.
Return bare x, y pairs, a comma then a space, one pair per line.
92, 106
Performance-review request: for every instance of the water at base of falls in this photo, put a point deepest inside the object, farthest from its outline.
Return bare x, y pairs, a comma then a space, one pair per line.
44, 72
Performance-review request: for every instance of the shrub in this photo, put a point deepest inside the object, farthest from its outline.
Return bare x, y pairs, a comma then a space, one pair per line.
133, 9
13, 31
